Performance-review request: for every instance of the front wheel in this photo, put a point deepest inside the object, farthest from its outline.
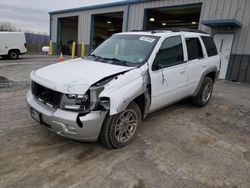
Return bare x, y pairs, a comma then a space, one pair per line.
120, 130
205, 93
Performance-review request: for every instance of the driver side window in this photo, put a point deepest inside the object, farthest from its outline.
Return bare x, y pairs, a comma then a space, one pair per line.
170, 53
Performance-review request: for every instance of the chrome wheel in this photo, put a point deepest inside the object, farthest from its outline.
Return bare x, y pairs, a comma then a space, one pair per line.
207, 92
126, 125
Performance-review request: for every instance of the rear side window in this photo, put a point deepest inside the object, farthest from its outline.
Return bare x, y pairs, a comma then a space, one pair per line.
194, 48
210, 46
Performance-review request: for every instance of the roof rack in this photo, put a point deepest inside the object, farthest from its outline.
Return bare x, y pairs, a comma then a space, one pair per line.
171, 29
184, 30
138, 30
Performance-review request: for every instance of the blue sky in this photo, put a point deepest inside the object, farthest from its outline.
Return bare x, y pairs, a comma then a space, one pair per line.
33, 14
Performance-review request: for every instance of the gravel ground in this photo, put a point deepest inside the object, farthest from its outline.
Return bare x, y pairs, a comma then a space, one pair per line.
179, 146
19, 70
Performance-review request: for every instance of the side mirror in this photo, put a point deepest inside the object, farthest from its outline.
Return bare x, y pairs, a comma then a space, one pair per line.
156, 66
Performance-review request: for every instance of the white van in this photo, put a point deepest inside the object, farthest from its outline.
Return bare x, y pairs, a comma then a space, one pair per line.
12, 44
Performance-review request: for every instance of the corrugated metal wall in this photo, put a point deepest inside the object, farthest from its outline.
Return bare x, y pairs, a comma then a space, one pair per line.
136, 17
87, 19
84, 21
239, 68
239, 64
230, 9
211, 9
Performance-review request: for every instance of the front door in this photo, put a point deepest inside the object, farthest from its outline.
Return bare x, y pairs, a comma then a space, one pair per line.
168, 74
224, 43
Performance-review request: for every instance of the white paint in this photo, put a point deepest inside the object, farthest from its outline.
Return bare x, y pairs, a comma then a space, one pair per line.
12, 40
45, 49
75, 76
224, 45
177, 82
124, 89
167, 85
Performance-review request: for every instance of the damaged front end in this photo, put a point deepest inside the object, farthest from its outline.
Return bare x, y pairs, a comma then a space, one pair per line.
114, 93
90, 101
80, 116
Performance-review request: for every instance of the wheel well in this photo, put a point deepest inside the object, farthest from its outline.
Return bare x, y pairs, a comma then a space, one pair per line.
212, 75
140, 101
14, 50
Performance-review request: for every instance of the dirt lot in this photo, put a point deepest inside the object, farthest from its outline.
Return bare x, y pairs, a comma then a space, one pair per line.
180, 146
19, 70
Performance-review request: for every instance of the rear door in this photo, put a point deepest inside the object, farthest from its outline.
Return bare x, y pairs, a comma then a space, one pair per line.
196, 62
168, 73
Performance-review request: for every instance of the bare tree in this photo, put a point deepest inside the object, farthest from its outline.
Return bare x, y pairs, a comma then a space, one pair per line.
6, 26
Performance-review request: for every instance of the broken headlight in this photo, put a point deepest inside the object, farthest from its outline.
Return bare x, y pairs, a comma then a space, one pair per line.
73, 102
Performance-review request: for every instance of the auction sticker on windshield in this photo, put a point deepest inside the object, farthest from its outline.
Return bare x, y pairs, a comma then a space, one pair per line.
147, 39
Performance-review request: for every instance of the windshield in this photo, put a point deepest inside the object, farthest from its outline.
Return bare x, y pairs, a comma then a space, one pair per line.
130, 49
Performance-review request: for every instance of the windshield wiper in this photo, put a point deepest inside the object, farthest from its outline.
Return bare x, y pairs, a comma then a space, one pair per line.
96, 56
118, 60
123, 62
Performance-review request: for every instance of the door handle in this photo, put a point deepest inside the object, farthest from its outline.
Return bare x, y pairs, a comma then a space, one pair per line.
183, 72
204, 66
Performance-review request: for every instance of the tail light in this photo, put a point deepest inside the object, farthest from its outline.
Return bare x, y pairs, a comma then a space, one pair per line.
25, 45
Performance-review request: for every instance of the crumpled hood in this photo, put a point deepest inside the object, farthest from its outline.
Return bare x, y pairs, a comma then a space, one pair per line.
75, 76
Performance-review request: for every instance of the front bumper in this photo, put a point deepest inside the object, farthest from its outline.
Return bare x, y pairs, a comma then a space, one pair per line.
64, 122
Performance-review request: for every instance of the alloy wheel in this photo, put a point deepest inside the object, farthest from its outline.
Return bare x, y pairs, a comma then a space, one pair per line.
126, 126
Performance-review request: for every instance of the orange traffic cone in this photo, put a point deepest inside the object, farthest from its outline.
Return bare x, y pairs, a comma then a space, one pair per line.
61, 57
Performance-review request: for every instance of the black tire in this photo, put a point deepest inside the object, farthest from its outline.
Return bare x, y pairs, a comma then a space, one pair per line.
13, 54
205, 93
109, 133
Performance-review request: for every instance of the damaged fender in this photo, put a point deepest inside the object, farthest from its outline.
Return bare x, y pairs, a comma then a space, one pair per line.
123, 89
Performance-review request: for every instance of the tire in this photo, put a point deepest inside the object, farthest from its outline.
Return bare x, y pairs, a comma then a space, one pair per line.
14, 54
121, 129
205, 93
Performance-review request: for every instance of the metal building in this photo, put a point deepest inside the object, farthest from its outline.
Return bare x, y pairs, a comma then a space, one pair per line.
228, 21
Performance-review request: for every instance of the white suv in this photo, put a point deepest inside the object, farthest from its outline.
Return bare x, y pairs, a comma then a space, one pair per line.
106, 95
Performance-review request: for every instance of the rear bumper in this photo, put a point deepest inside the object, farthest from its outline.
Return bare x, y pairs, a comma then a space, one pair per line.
24, 51
64, 122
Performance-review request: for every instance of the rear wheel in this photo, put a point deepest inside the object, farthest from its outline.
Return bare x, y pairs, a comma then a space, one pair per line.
14, 54
120, 130
205, 93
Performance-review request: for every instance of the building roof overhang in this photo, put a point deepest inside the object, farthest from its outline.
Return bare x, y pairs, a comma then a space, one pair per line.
104, 5
221, 23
